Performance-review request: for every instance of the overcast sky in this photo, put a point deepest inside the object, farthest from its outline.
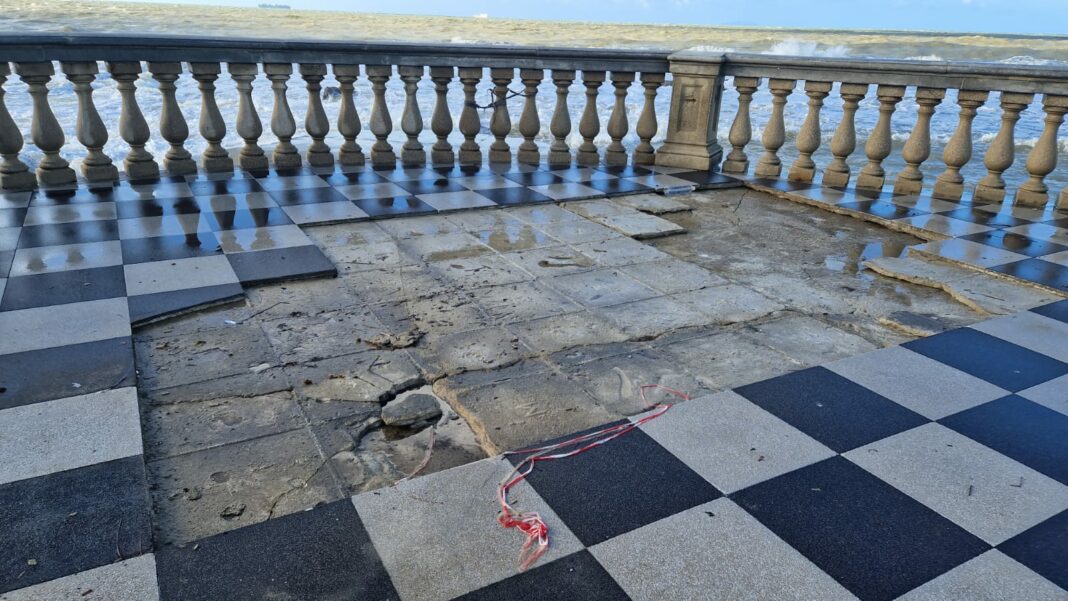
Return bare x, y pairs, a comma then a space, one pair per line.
999, 16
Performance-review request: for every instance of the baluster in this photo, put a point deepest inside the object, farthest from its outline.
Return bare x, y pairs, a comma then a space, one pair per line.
1002, 151
644, 154
742, 129
382, 155
441, 122
315, 121
45, 131
500, 122
844, 141
348, 120
808, 139
470, 125
529, 123
618, 126
14, 174
918, 147
1043, 158
878, 146
283, 125
92, 133
560, 126
249, 126
950, 184
139, 163
412, 153
212, 127
172, 125
775, 132
590, 124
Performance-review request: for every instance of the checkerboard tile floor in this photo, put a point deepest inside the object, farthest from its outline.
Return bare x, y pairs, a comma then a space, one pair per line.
1019, 242
935, 470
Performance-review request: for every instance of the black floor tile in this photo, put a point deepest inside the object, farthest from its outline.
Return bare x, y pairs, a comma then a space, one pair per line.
147, 307
881, 208
430, 186
367, 176
1043, 548
1032, 434
872, 538
247, 218
969, 213
170, 188
401, 206
632, 171
576, 577
708, 179
462, 171
73, 521
68, 233
1015, 243
514, 196
47, 374
62, 287
534, 178
12, 217
618, 186
305, 196
1038, 271
264, 266
271, 173
324, 553
402, 174
233, 185
1057, 310
607, 490
156, 208
162, 248
786, 185
832, 409
79, 195
1001, 363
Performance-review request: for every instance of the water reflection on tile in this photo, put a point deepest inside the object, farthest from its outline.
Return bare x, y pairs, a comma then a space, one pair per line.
44, 259
583, 174
348, 178
15, 200
56, 234
1028, 213
69, 213
1039, 271
161, 248
264, 238
1016, 243
925, 203
398, 206
1042, 231
881, 208
1060, 258
9, 237
972, 253
946, 226
168, 225
567, 191
660, 180
180, 274
379, 190
324, 212
63, 287
451, 201
293, 182
486, 182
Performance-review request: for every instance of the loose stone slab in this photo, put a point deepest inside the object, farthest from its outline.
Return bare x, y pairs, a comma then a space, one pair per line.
209, 354
655, 204
808, 340
601, 288
672, 276
641, 226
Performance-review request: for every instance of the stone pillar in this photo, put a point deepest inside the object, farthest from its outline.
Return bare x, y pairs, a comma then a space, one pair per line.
529, 123
560, 126
382, 155
774, 137
283, 125
742, 129
212, 126
139, 163
808, 139
590, 123
500, 122
172, 125
844, 142
878, 146
441, 122
644, 153
918, 147
1043, 157
696, 89
618, 126
47, 135
249, 126
470, 125
315, 121
1002, 151
92, 133
412, 153
950, 184
348, 120
14, 174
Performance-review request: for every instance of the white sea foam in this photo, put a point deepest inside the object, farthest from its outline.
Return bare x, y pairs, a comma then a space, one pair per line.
792, 47
925, 57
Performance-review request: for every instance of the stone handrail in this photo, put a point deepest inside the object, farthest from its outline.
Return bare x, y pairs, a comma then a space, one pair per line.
702, 75
33, 57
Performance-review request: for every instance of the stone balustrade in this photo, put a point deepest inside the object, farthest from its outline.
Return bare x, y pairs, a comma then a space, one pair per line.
515, 73
886, 83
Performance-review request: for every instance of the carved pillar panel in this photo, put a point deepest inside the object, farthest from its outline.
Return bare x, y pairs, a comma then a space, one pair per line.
696, 89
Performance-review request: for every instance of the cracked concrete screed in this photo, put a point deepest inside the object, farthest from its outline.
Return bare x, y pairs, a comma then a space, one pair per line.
521, 325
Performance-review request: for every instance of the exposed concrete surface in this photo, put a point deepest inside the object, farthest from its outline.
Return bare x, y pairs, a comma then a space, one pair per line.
530, 323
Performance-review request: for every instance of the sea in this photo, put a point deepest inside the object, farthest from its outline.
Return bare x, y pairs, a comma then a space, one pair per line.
77, 16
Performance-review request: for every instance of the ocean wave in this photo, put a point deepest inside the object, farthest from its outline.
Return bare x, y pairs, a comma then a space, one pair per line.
1030, 60
792, 47
925, 57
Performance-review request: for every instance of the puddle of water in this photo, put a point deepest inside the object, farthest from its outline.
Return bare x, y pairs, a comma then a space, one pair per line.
507, 237
853, 261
